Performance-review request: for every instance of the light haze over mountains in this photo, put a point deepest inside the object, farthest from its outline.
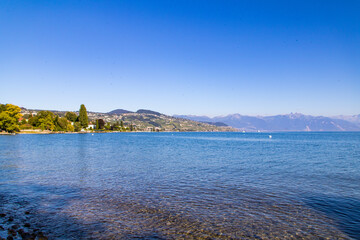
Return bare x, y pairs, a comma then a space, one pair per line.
287, 122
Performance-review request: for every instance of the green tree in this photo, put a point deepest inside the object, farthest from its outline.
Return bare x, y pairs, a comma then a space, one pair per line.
71, 116
70, 128
83, 117
2, 107
47, 123
9, 118
107, 126
77, 126
44, 120
13, 111
61, 123
100, 123
8, 123
115, 126
32, 119
26, 116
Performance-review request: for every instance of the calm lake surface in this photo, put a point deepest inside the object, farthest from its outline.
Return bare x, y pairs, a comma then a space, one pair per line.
184, 185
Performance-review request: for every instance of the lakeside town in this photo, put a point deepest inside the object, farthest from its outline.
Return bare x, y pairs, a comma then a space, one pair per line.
14, 119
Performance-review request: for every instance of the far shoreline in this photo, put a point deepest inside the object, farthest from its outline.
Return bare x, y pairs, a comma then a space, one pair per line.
47, 132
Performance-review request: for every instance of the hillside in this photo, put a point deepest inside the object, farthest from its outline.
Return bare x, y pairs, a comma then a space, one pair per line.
147, 120
167, 123
288, 122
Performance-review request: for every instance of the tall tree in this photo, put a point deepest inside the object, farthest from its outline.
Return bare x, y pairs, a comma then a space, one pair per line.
100, 124
83, 117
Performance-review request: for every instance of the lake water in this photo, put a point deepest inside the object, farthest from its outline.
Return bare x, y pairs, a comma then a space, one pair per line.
183, 185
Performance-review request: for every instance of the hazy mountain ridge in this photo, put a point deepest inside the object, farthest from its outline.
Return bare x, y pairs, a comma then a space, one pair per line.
287, 122
350, 118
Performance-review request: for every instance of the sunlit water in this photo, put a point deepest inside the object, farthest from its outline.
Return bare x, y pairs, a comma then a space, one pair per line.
184, 185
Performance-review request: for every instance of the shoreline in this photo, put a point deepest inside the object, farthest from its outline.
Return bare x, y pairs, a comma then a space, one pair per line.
45, 132
86, 132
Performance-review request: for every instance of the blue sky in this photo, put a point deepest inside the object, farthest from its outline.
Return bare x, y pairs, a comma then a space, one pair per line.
201, 57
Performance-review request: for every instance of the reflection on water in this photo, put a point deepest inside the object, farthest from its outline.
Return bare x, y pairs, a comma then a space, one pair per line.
81, 158
184, 185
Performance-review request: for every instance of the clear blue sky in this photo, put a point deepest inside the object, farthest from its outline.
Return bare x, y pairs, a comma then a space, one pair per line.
201, 57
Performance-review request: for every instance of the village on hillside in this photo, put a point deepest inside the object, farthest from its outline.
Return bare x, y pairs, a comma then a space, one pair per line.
14, 119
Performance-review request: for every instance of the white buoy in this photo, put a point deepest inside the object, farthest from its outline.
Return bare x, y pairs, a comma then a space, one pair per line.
270, 136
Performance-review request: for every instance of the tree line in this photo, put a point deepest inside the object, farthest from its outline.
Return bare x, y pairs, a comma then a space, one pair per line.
12, 121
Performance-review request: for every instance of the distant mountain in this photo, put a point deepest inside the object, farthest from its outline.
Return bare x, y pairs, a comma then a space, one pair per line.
219, 124
288, 122
352, 118
119, 111
145, 119
148, 112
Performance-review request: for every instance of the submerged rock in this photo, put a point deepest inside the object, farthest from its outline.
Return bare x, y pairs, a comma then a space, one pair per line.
16, 226
11, 232
26, 235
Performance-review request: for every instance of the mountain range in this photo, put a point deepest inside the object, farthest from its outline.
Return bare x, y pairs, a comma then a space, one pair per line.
287, 122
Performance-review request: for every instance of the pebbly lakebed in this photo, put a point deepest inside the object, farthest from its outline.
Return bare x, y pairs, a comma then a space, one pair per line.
181, 186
